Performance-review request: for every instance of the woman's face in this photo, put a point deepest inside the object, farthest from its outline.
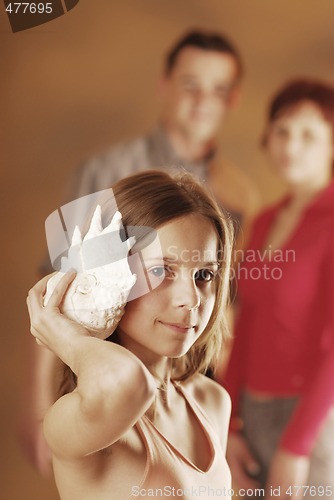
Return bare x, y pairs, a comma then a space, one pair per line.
300, 145
170, 318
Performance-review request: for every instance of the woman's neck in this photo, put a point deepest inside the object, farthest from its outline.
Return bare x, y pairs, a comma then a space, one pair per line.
303, 194
160, 367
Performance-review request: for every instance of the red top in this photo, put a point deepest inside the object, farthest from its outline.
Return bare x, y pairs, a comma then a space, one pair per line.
284, 337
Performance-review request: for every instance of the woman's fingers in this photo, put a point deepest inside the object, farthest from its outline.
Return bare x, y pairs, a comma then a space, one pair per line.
35, 300
60, 289
52, 329
36, 293
37, 312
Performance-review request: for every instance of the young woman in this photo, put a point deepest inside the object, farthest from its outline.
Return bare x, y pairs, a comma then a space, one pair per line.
281, 371
142, 420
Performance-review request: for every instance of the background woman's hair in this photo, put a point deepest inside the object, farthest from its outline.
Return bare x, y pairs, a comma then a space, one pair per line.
152, 198
296, 91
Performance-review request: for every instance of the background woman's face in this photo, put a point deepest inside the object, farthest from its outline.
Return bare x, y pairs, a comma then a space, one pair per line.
300, 144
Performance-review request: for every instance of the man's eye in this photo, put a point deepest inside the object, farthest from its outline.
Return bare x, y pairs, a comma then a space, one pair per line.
204, 275
189, 88
190, 85
222, 91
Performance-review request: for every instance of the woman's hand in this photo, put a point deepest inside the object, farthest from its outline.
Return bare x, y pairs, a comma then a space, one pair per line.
287, 472
114, 388
50, 328
242, 463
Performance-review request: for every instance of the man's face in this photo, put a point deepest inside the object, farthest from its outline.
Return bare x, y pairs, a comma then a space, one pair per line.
197, 92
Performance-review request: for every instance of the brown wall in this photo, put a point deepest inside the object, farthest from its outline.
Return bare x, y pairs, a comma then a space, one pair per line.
87, 79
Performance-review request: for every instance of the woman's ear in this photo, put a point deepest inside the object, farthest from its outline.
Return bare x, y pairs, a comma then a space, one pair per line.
161, 86
264, 139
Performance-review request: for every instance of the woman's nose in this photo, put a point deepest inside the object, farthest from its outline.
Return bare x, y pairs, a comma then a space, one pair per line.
292, 146
186, 293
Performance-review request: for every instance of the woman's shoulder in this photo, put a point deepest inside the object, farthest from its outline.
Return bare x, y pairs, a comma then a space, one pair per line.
211, 397
268, 212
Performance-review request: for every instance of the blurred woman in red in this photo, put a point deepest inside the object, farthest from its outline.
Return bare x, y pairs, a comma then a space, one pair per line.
281, 371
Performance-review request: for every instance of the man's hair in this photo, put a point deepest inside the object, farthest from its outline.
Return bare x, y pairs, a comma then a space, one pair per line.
209, 41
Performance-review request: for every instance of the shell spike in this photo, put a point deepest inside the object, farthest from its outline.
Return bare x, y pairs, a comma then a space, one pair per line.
95, 227
114, 224
130, 242
64, 264
76, 238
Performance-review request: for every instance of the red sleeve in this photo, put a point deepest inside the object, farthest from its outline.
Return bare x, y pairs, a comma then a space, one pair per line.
301, 433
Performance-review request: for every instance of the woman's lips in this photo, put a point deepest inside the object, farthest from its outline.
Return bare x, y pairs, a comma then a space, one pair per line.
178, 327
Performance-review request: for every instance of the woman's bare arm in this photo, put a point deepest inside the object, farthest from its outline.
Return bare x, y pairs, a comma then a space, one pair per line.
114, 388
38, 393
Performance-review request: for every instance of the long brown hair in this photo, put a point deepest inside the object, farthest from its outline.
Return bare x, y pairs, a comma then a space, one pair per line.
152, 198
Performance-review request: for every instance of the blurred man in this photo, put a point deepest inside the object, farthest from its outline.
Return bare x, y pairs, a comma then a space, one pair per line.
199, 85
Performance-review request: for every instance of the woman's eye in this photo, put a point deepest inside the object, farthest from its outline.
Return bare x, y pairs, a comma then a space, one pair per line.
281, 132
158, 272
204, 275
308, 136
161, 272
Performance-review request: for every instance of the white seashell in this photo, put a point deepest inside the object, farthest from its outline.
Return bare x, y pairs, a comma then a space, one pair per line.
98, 294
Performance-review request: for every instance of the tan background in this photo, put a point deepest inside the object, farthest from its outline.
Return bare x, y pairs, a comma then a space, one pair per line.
87, 79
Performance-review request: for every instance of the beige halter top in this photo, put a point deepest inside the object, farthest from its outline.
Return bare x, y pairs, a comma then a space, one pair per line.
168, 473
